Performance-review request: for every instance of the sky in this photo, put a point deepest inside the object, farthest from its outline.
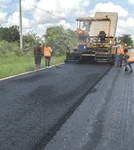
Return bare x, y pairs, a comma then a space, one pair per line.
38, 15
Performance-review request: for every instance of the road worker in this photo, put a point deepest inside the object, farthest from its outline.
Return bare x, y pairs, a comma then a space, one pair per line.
47, 55
129, 60
37, 55
119, 56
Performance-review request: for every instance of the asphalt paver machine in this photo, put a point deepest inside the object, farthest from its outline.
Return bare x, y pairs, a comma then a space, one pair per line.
96, 39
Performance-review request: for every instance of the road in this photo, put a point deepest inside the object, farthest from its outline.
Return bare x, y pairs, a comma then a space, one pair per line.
34, 106
104, 120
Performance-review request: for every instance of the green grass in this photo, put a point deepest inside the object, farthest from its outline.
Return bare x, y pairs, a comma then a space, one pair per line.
11, 64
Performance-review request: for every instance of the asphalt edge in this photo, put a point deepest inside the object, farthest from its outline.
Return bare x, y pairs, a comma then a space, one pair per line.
28, 72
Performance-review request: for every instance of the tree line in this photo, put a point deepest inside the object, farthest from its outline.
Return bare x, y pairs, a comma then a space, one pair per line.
58, 38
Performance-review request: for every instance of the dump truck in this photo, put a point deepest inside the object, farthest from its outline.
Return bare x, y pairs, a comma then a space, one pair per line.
97, 40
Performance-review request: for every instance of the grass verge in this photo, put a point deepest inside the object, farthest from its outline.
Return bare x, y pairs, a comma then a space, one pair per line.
11, 64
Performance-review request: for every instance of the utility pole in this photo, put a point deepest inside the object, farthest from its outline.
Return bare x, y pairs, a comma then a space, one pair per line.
21, 40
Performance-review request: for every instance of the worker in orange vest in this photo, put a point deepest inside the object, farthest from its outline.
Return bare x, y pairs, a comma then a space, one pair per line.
119, 56
129, 60
47, 55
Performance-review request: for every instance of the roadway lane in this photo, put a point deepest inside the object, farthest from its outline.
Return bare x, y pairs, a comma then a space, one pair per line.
34, 106
104, 120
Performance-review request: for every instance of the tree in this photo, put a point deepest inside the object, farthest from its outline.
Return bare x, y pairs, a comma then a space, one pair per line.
126, 38
72, 38
30, 40
59, 39
14, 33
10, 34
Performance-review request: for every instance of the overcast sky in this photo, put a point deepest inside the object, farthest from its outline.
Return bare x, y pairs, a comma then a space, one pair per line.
40, 14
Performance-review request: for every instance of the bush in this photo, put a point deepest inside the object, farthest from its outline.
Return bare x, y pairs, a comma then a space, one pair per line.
6, 47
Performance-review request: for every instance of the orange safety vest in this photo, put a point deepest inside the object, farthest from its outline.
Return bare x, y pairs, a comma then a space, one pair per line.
130, 57
47, 52
120, 50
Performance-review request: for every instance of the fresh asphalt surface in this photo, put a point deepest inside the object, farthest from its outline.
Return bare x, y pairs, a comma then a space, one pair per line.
105, 118
34, 106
